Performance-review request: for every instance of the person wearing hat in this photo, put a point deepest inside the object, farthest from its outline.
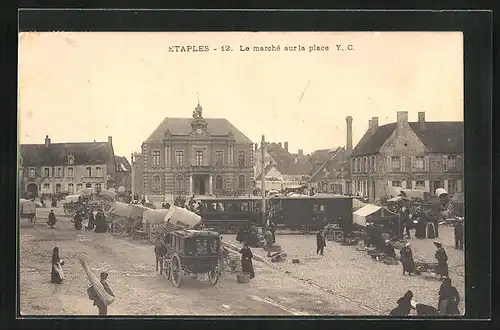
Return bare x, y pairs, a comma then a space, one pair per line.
388, 249
442, 259
103, 308
407, 259
459, 235
448, 298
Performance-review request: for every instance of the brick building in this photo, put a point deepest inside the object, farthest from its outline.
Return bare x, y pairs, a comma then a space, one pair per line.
123, 173
413, 155
53, 168
201, 156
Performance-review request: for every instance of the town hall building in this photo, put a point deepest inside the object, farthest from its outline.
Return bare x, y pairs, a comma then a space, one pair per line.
195, 156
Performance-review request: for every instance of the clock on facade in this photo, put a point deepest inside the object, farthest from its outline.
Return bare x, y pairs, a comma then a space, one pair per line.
199, 131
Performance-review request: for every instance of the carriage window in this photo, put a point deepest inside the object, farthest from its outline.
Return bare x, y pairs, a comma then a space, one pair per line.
201, 246
213, 246
229, 207
244, 207
322, 207
220, 207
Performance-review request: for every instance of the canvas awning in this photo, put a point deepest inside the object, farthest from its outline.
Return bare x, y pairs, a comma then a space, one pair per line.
137, 211
180, 218
84, 192
357, 204
71, 198
109, 193
120, 209
359, 217
154, 216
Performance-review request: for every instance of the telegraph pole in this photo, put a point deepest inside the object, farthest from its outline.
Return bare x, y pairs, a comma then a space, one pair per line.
262, 181
133, 175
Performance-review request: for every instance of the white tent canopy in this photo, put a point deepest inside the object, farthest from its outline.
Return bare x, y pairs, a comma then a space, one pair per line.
179, 217
359, 217
154, 216
120, 209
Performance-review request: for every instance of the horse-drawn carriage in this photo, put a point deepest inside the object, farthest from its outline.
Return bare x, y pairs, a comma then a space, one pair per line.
72, 203
27, 210
192, 252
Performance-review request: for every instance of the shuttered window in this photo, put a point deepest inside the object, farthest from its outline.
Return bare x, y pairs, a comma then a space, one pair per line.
426, 163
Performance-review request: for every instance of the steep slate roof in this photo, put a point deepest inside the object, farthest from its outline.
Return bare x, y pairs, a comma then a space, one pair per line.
182, 126
438, 136
57, 153
122, 164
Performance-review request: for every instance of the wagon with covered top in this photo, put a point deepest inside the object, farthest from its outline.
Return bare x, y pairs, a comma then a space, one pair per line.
192, 252
72, 203
27, 210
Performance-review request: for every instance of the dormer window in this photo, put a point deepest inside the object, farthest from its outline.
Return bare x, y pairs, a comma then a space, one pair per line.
71, 159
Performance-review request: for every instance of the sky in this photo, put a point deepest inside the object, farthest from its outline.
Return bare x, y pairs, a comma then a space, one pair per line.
85, 86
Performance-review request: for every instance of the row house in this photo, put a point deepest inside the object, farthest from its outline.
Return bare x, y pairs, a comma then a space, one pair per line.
409, 155
196, 156
53, 168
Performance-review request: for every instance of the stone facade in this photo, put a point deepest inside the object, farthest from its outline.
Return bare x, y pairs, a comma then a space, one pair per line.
197, 156
404, 157
54, 168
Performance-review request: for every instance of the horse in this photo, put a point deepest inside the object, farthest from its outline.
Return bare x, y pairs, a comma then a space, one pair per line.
160, 252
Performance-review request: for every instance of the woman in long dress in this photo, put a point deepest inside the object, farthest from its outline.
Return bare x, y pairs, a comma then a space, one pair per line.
246, 260
56, 275
448, 298
407, 259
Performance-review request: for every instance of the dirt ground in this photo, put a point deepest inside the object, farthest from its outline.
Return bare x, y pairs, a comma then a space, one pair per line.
140, 290
353, 274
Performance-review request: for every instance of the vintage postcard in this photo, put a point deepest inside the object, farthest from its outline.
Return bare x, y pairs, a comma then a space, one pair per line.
237, 174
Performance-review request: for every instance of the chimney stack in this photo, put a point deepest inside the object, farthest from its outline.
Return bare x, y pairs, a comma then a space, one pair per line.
349, 134
286, 146
421, 119
373, 124
280, 145
402, 117
110, 139
256, 147
47, 141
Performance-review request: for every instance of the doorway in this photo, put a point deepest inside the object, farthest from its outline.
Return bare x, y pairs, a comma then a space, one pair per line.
199, 185
32, 190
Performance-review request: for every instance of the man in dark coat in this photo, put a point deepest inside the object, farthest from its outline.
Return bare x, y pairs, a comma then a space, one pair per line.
91, 221
246, 261
442, 259
103, 308
407, 259
101, 225
78, 220
320, 242
404, 216
52, 219
448, 298
459, 235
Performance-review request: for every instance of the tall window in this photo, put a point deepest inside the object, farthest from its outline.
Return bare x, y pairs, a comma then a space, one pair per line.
219, 158
396, 164
70, 172
218, 182
98, 172
88, 171
199, 157
32, 173
79, 186
452, 187
419, 163
155, 183
366, 164
179, 157
241, 158
452, 163
98, 188
179, 183
156, 157
354, 165
58, 188
46, 172
71, 188
59, 172
230, 156
241, 182
71, 159
46, 186
53, 171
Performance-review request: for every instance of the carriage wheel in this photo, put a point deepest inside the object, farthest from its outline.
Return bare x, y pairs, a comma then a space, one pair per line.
32, 220
166, 269
176, 270
214, 275
116, 229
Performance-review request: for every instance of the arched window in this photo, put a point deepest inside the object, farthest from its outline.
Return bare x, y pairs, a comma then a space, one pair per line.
71, 188
155, 183
241, 182
218, 182
179, 183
